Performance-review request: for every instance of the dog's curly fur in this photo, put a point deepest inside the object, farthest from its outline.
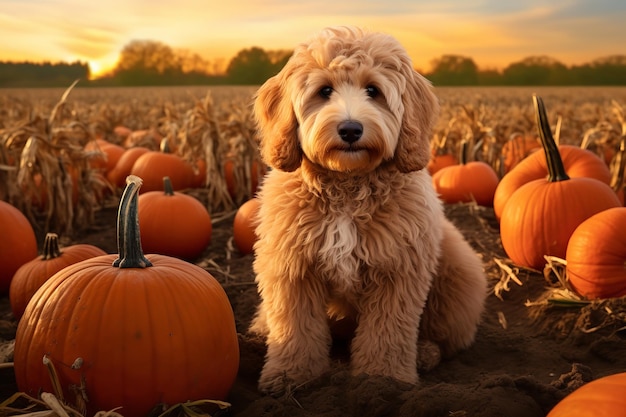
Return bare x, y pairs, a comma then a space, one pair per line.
350, 225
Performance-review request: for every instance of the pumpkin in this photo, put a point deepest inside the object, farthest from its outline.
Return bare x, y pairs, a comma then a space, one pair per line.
154, 165
34, 273
133, 331
541, 215
235, 177
596, 255
106, 154
518, 147
467, 181
602, 397
577, 162
173, 223
244, 225
117, 176
441, 160
18, 244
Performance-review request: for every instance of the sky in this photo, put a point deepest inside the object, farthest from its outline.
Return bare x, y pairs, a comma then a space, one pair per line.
494, 33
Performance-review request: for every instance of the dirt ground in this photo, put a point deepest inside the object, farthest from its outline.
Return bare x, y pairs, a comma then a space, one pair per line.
525, 358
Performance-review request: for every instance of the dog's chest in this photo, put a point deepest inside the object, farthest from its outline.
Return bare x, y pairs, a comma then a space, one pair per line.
350, 248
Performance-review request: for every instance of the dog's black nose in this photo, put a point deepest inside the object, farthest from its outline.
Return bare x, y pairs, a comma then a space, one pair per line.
350, 131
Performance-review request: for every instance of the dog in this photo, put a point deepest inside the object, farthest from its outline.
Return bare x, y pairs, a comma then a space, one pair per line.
350, 225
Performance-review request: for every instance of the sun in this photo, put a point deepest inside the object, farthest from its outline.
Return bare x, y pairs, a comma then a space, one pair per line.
100, 67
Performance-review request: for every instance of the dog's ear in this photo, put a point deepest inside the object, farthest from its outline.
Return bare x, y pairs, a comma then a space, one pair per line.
421, 109
277, 125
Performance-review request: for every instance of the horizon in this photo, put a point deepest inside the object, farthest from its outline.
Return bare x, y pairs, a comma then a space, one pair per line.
491, 33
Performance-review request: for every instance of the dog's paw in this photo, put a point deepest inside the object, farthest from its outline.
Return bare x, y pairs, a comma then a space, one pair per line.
275, 384
428, 355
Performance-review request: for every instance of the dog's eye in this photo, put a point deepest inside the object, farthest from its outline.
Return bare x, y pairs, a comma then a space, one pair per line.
326, 91
372, 91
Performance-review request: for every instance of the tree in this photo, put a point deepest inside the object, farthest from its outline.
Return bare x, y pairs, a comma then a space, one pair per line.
254, 66
537, 70
454, 70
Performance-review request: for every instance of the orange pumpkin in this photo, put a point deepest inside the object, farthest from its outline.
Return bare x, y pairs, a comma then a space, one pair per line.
541, 215
107, 154
467, 181
173, 223
18, 244
439, 161
518, 147
133, 331
154, 165
34, 273
117, 176
603, 397
244, 226
596, 255
577, 163
235, 178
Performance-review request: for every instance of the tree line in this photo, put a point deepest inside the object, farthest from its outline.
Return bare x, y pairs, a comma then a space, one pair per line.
144, 63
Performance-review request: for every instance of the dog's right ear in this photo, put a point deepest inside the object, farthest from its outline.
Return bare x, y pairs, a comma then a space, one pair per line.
277, 125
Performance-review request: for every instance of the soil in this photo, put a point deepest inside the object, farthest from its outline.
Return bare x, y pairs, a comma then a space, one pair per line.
525, 358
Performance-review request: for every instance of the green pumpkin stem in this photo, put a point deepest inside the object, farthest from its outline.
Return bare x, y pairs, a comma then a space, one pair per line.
128, 238
556, 170
167, 186
51, 248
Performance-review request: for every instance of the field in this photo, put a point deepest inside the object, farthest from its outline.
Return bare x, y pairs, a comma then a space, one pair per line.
530, 350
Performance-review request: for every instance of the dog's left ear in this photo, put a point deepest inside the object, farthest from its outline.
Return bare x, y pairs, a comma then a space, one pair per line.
277, 125
421, 110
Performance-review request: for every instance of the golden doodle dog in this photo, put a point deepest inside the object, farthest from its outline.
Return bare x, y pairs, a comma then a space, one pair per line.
350, 224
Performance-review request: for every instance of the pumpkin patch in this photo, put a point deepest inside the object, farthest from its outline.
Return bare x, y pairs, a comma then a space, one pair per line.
164, 325
537, 342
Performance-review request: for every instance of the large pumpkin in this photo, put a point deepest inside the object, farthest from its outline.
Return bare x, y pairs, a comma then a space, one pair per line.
541, 215
603, 397
596, 255
34, 273
577, 163
173, 223
18, 243
130, 331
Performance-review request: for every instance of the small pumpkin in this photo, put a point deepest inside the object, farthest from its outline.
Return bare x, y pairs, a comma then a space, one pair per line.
173, 223
34, 273
154, 165
541, 215
242, 182
117, 175
244, 225
467, 181
518, 147
441, 160
18, 244
106, 154
600, 397
133, 331
596, 255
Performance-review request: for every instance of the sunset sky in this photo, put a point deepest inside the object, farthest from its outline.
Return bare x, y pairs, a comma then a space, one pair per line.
494, 33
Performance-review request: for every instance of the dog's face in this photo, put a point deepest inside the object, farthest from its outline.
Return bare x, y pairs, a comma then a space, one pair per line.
347, 101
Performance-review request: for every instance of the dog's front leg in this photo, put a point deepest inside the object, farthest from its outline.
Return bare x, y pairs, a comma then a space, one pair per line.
298, 338
385, 342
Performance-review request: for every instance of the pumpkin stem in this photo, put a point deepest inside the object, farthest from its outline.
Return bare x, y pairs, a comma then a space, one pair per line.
463, 153
51, 248
164, 146
556, 170
128, 238
167, 186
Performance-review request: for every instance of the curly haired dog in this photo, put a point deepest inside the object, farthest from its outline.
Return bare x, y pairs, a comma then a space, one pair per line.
350, 224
